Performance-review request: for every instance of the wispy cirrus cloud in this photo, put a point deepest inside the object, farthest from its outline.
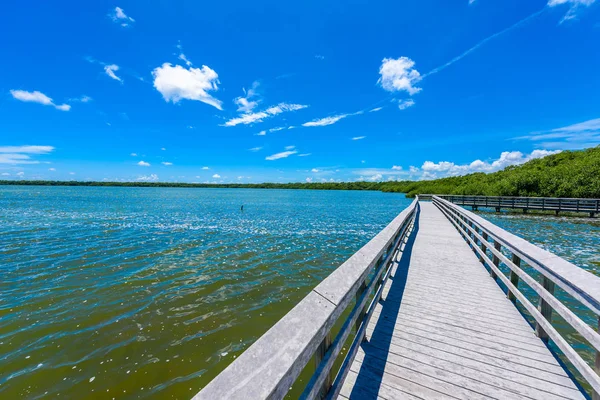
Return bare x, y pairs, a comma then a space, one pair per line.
404, 104
110, 71
38, 97
22, 154
255, 149
118, 16
577, 136
358, 137
574, 7
329, 120
250, 100
289, 151
251, 118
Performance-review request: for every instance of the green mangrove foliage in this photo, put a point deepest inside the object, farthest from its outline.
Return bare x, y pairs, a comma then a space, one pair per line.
567, 174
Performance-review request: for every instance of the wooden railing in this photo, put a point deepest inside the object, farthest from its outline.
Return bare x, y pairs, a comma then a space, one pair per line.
591, 206
268, 368
491, 243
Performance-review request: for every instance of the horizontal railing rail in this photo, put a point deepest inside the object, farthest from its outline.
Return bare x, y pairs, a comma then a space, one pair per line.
556, 204
269, 368
488, 241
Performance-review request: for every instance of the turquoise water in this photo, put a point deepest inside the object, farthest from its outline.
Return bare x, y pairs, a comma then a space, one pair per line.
150, 292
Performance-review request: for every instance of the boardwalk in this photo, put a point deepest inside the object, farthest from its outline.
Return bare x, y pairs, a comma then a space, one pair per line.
445, 330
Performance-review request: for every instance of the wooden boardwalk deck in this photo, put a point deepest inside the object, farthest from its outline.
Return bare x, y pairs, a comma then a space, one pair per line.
445, 330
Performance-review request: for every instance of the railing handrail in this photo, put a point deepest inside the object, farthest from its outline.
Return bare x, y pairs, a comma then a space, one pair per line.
511, 197
580, 284
270, 366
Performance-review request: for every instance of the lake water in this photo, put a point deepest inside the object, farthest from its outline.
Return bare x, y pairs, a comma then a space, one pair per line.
150, 292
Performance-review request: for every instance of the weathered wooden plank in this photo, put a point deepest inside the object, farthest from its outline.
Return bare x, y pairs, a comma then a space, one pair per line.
432, 372
515, 362
400, 351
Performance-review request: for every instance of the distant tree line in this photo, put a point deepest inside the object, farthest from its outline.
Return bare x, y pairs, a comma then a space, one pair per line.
567, 174
299, 185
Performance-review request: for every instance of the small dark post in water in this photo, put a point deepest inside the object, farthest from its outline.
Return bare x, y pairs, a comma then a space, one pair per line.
242, 208
497, 209
557, 212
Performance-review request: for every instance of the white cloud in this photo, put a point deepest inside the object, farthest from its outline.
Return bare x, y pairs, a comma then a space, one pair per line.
37, 97
283, 154
314, 170
148, 178
205, 168
376, 109
20, 174
574, 6
82, 99
358, 137
183, 58
378, 174
21, 154
276, 129
399, 75
329, 120
255, 149
163, 148
404, 104
51, 169
577, 136
175, 83
251, 118
27, 149
309, 180
5, 174
119, 16
396, 168
143, 164
261, 133
290, 147
304, 154
133, 154
110, 71
319, 57
167, 163
216, 176
507, 158
244, 103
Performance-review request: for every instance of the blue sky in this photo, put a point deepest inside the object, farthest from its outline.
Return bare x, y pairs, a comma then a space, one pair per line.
238, 91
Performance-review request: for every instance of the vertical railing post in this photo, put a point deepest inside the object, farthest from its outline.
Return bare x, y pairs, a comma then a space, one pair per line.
361, 315
496, 260
483, 248
514, 278
545, 309
319, 355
